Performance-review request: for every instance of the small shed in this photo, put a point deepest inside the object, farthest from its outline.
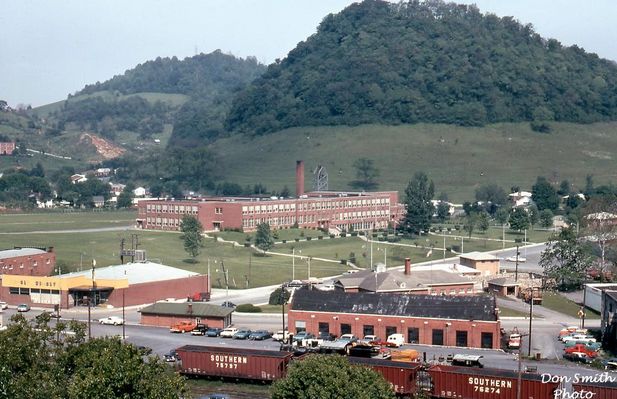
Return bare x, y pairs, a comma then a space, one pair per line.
165, 314
504, 286
486, 263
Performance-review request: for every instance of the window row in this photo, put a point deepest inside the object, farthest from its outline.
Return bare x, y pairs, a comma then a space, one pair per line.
27, 291
179, 209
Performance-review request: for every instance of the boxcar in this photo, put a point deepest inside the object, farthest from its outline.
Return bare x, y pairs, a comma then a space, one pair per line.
595, 390
401, 375
469, 383
238, 363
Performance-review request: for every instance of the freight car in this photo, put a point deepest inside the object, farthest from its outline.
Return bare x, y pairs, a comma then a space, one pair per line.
401, 375
469, 383
593, 390
238, 363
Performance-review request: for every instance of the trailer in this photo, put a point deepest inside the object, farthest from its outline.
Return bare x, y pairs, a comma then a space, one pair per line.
595, 390
236, 363
401, 375
472, 383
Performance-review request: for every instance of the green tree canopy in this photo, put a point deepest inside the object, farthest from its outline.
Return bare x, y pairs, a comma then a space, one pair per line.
418, 196
325, 376
366, 173
566, 259
546, 218
192, 237
125, 199
492, 195
263, 237
544, 195
519, 219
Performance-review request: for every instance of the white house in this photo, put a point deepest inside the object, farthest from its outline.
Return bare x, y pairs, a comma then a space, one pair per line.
521, 198
139, 192
77, 178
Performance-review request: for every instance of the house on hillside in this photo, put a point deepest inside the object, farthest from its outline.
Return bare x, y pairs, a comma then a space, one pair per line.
139, 192
520, 198
78, 178
7, 148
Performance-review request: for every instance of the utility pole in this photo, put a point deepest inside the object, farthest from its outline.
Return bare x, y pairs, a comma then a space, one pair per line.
530, 319
283, 309
293, 263
516, 269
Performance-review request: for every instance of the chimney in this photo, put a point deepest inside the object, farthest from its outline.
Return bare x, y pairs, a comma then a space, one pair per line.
299, 178
407, 266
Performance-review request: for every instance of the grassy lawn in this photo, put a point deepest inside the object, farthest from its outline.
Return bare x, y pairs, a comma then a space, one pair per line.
508, 312
272, 308
25, 222
559, 303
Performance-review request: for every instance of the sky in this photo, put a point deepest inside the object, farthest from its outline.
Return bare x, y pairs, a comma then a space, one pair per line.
51, 48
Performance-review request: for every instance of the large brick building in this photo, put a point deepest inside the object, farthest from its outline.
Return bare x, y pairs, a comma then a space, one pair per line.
28, 261
464, 321
7, 148
322, 209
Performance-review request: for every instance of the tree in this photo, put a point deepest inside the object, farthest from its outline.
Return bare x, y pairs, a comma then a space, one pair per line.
483, 221
125, 199
493, 196
42, 361
565, 259
544, 195
191, 230
470, 223
366, 173
600, 224
546, 218
519, 219
443, 211
502, 215
326, 376
263, 237
534, 214
564, 188
419, 193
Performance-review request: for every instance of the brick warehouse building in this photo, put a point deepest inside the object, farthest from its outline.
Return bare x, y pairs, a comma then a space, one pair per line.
465, 321
131, 284
28, 261
323, 209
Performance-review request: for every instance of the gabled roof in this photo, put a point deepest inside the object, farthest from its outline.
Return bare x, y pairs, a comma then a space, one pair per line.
199, 309
397, 280
478, 256
476, 307
503, 282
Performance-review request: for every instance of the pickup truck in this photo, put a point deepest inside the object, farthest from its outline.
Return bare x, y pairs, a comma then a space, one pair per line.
182, 327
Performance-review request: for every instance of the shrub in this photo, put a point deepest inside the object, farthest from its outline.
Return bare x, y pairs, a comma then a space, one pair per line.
332, 235
320, 237
354, 233
343, 234
309, 238
275, 297
247, 244
248, 308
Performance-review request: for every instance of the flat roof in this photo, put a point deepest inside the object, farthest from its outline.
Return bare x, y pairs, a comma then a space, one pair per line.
12, 253
478, 256
136, 273
447, 267
196, 309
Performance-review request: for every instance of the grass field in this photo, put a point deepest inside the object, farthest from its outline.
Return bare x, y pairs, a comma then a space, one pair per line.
39, 221
559, 303
468, 157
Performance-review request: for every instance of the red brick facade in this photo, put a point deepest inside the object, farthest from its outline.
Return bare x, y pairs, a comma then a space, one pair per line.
168, 321
360, 211
35, 264
7, 148
478, 334
139, 294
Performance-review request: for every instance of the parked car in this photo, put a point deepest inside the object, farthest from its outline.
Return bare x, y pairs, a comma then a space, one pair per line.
23, 307
200, 329
396, 340
281, 335
112, 320
3, 305
228, 332
228, 304
582, 348
260, 335
172, 356
578, 338
610, 364
513, 259
467, 360
242, 333
301, 336
213, 332
182, 327
326, 336
594, 346
370, 339
577, 357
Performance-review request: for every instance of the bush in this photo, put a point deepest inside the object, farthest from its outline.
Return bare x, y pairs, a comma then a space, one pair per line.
343, 261
332, 235
284, 241
320, 237
297, 239
247, 244
248, 308
354, 233
309, 238
343, 234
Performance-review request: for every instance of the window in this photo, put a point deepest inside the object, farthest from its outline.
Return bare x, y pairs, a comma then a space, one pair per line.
486, 340
324, 327
413, 335
437, 336
368, 330
389, 331
13, 290
218, 211
461, 338
300, 326
345, 328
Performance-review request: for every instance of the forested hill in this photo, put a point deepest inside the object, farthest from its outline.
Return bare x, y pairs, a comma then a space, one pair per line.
204, 75
435, 62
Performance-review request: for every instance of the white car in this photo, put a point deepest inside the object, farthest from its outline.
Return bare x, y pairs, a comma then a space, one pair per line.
578, 338
3, 305
513, 259
396, 340
281, 336
112, 320
228, 332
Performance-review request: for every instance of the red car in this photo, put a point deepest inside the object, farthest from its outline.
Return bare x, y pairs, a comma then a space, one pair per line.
581, 348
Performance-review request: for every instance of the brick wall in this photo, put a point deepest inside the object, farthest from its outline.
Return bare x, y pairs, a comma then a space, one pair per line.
29, 265
139, 294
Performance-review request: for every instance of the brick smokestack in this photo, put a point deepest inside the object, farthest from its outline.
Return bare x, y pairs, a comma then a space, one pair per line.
407, 266
299, 178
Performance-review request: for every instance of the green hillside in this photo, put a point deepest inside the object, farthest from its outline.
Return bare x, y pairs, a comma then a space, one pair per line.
458, 159
433, 62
